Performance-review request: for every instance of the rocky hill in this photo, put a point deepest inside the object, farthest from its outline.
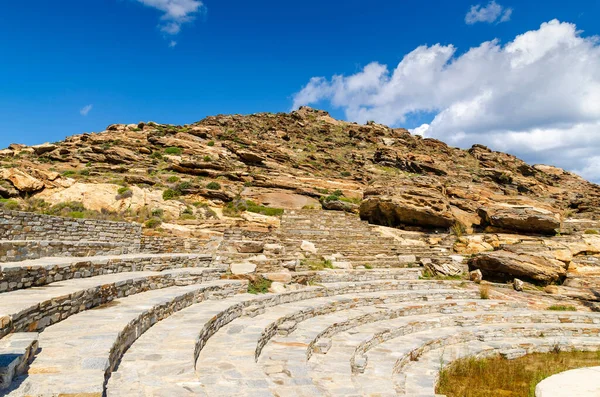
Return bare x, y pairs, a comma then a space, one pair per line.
203, 178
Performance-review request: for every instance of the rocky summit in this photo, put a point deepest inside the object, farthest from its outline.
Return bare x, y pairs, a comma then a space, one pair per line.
283, 254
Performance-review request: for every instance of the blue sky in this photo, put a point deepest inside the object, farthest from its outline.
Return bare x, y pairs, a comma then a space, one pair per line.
230, 56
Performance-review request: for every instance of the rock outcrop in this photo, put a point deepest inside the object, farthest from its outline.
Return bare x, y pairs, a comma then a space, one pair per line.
508, 265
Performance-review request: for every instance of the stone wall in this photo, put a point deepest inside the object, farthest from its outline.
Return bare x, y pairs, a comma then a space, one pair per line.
21, 250
16, 276
30, 226
165, 245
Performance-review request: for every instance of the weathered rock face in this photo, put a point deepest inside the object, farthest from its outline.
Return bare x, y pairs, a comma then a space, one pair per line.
520, 219
22, 181
400, 205
508, 265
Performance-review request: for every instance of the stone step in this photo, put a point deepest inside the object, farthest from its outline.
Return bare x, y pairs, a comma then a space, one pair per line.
20, 250
16, 352
152, 376
330, 276
78, 354
246, 337
404, 336
285, 358
43, 271
393, 355
34, 309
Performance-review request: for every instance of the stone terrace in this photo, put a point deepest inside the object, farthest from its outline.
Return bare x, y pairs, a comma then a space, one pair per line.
170, 324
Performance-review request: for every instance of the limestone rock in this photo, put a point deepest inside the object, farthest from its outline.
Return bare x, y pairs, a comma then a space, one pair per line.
307, 246
504, 264
395, 205
337, 205
520, 219
476, 276
21, 180
243, 268
518, 284
43, 148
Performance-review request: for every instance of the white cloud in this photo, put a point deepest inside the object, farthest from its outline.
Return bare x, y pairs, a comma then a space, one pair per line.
492, 12
85, 110
176, 13
172, 44
538, 96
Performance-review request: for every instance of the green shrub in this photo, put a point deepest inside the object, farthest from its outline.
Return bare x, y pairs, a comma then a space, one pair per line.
123, 193
156, 155
207, 158
184, 186
562, 308
76, 214
368, 267
84, 172
69, 173
10, 205
345, 173
213, 186
591, 231
261, 209
211, 143
153, 223
260, 285
170, 194
173, 179
158, 212
176, 151
186, 217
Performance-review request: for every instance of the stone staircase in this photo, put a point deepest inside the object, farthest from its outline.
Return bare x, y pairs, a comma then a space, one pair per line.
161, 329
334, 234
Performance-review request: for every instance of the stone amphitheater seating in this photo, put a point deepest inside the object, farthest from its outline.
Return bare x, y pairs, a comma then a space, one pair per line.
158, 324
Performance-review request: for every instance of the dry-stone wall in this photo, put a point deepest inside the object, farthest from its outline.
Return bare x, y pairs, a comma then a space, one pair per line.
30, 226
165, 245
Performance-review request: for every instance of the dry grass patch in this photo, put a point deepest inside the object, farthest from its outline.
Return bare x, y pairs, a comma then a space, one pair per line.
496, 376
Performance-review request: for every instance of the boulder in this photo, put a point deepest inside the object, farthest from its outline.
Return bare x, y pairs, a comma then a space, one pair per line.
307, 246
390, 204
507, 265
43, 148
442, 269
476, 276
337, 205
243, 268
520, 219
22, 181
518, 285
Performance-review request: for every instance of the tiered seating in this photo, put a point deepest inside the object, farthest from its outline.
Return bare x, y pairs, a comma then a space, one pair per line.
172, 330
54, 296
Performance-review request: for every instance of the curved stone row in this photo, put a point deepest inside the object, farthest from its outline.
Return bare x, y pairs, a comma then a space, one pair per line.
34, 309
39, 272
78, 354
266, 310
